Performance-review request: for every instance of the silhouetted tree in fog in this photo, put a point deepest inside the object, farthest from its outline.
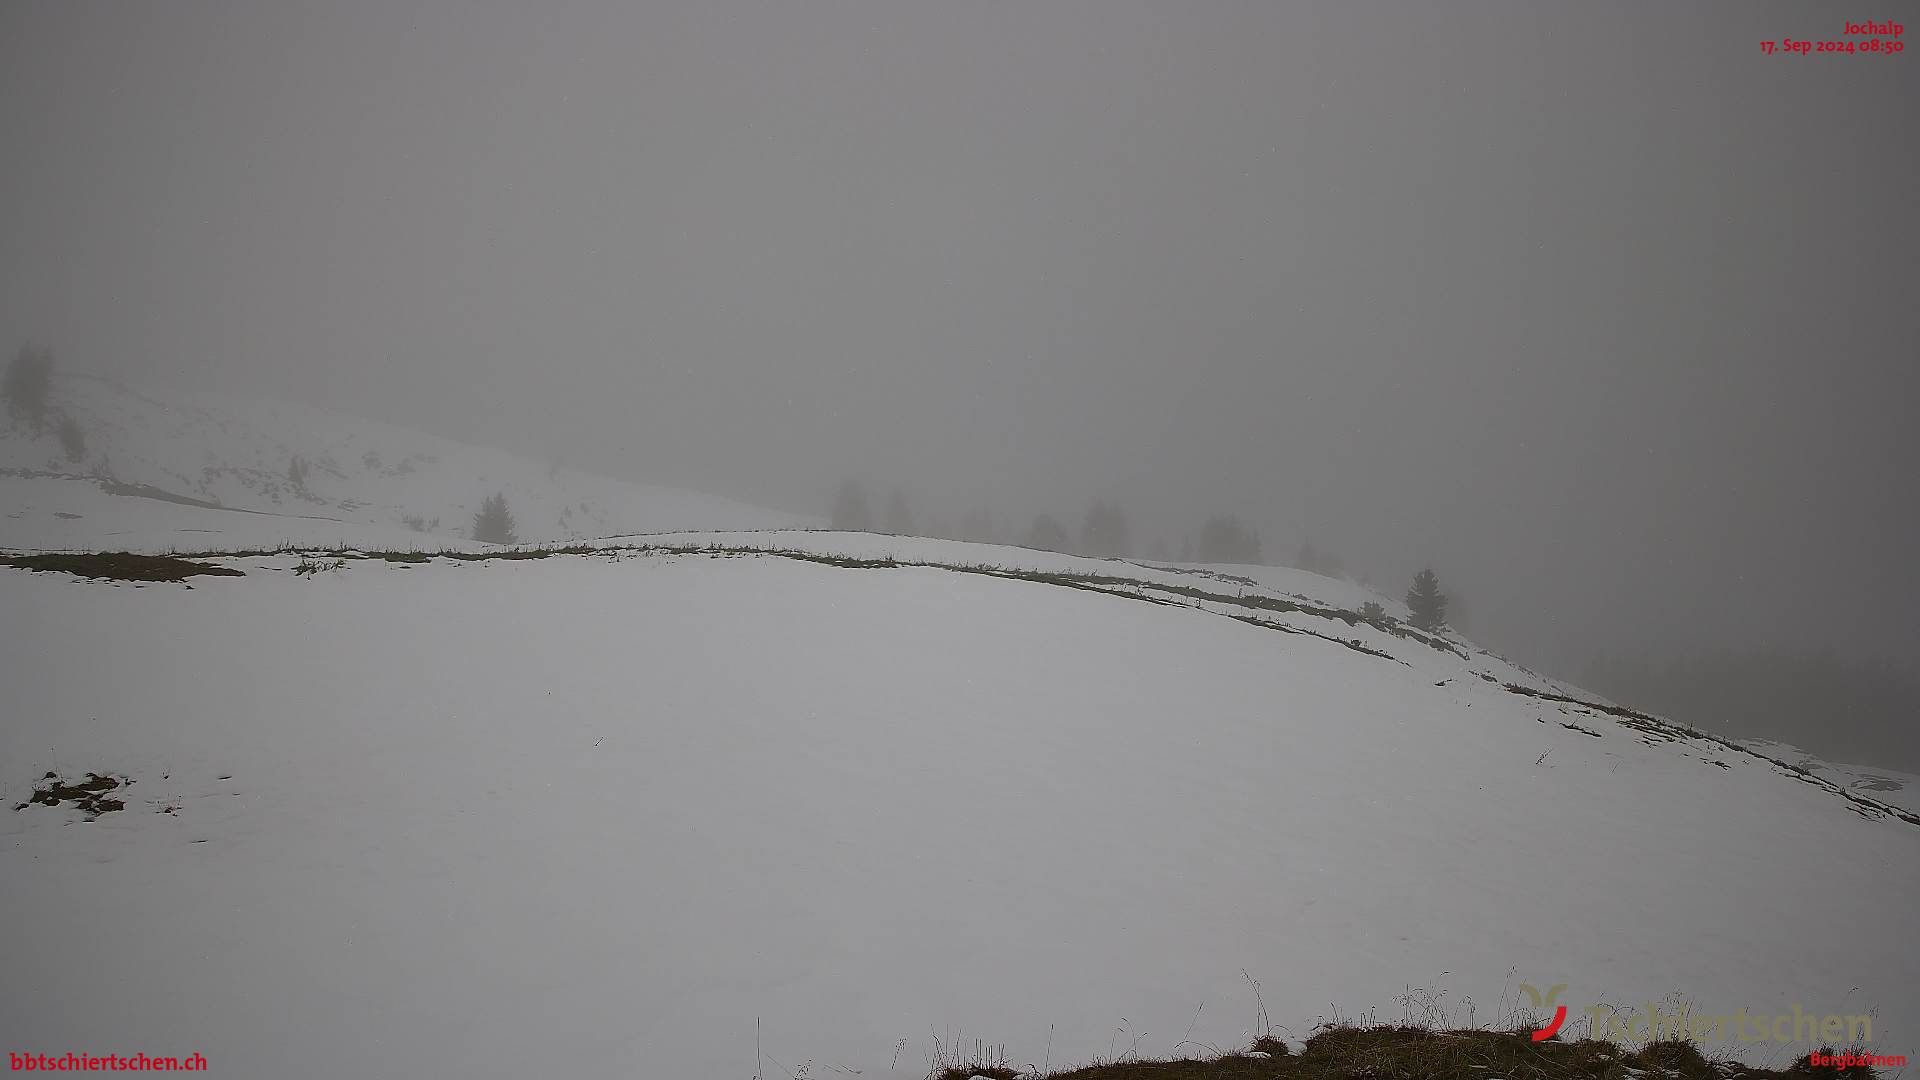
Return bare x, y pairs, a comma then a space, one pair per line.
1225, 539
494, 523
1104, 533
1047, 535
1426, 602
899, 518
72, 439
977, 526
1315, 561
850, 508
29, 376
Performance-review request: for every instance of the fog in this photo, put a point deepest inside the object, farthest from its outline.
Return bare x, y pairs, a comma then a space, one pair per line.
1596, 309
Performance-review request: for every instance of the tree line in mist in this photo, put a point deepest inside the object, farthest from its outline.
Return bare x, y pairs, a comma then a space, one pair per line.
1102, 532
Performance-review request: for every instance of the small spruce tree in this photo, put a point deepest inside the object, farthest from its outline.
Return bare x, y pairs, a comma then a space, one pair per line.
1426, 603
494, 523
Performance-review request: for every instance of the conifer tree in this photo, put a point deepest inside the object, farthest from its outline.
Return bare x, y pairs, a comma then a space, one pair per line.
494, 523
1426, 602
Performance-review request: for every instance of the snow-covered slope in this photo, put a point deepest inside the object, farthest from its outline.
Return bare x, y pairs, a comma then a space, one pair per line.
1890, 786
200, 470
639, 814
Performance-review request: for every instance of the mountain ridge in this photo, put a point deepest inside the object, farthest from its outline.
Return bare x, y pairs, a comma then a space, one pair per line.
214, 451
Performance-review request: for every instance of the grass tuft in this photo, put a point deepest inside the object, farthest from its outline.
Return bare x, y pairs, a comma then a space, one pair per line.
1270, 1046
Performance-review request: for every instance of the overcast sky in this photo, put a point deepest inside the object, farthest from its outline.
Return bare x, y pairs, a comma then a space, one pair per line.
1602, 311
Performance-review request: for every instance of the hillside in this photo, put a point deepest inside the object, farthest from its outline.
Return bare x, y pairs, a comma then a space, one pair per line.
816, 800
162, 468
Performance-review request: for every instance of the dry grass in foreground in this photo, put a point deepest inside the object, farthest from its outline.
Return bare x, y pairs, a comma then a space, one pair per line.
1414, 1053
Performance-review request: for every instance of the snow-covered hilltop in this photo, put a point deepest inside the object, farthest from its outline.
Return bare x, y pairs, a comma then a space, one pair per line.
169, 469
815, 795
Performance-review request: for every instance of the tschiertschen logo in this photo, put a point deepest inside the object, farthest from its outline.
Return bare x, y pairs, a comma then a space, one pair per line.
1559, 1011
1656, 1021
